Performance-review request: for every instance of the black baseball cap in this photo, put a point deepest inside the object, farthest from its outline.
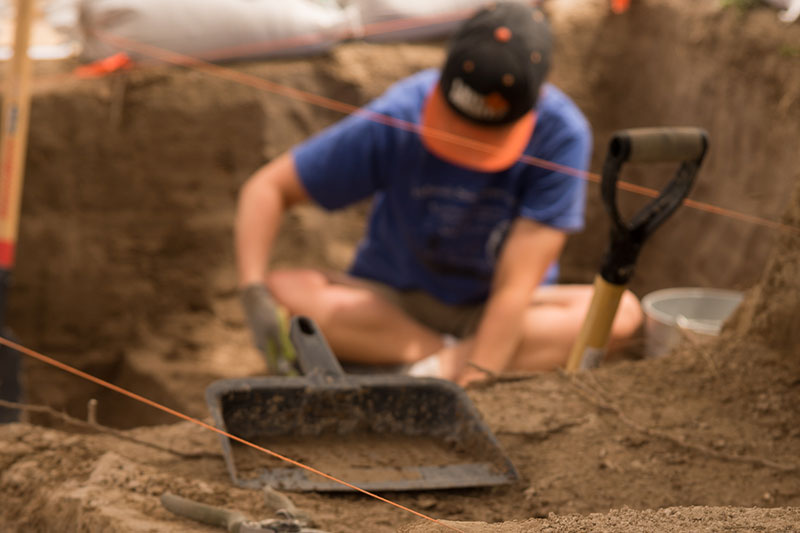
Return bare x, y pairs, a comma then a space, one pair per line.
497, 62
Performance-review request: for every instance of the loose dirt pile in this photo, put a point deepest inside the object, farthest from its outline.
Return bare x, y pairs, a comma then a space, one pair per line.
125, 270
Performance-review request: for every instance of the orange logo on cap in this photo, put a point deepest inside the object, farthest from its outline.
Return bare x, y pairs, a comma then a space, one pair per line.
490, 106
496, 103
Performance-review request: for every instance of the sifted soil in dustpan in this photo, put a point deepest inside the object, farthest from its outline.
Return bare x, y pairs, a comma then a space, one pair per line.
356, 457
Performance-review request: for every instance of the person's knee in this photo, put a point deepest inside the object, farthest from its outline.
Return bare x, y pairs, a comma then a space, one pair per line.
629, 316
311, 293
280, 279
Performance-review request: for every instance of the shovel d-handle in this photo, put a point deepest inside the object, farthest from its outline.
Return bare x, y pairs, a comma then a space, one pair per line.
647, 145
650, 145
686, 145
315, 356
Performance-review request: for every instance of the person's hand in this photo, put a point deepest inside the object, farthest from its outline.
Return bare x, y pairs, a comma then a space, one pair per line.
266, 325
472, 373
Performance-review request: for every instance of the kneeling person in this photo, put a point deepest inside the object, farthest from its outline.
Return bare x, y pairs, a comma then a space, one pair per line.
459, 260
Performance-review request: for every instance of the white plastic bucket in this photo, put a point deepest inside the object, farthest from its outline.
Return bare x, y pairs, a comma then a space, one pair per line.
672, 313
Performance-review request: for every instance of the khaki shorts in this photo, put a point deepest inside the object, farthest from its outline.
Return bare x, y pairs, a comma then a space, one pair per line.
457, 320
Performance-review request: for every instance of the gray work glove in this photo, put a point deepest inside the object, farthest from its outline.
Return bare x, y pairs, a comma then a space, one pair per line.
267, 326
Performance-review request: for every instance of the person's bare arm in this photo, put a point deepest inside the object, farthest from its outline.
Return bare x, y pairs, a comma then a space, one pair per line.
529, 251
262, 201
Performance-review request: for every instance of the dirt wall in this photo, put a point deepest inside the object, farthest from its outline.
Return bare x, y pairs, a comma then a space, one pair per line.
128, 206
737, 77
769, 315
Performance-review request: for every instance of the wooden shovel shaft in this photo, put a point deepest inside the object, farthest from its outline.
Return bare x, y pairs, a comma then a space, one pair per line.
14, 134
590, 345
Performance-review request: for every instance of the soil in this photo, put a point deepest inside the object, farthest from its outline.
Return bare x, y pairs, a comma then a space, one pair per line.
125, 270
380, 457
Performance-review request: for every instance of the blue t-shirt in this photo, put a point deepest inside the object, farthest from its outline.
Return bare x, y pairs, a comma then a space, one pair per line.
436, 226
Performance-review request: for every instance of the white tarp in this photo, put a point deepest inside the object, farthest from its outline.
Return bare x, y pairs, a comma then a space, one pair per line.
411, 20
213, 29
790, 9
52, 29
217, 30
234, 29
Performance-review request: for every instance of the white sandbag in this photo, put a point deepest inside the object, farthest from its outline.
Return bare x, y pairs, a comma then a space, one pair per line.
790, 9
52, 30
214, 30
61, 15
412, 20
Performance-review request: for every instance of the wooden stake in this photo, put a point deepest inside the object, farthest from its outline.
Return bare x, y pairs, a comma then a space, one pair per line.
91, 411
14, 134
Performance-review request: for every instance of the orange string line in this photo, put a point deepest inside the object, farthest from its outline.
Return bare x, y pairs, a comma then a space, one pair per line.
72, 370
349, 109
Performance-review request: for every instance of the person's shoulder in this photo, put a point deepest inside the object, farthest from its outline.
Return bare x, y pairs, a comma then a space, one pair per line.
409, 91
557, 110
419, 81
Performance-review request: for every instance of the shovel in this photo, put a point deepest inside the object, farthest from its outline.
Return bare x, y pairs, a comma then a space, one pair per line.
645, 145
13, 140
377, 432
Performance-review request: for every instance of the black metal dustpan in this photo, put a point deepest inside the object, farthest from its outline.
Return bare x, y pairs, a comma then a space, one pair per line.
377, 432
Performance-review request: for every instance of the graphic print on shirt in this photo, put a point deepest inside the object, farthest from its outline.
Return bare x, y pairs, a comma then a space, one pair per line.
461, 230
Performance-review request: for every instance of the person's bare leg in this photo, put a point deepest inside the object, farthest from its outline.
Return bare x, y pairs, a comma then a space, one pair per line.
359, 324
555, 318
552, 324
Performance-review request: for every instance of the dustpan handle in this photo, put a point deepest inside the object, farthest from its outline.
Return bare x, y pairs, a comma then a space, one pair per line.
313, 352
